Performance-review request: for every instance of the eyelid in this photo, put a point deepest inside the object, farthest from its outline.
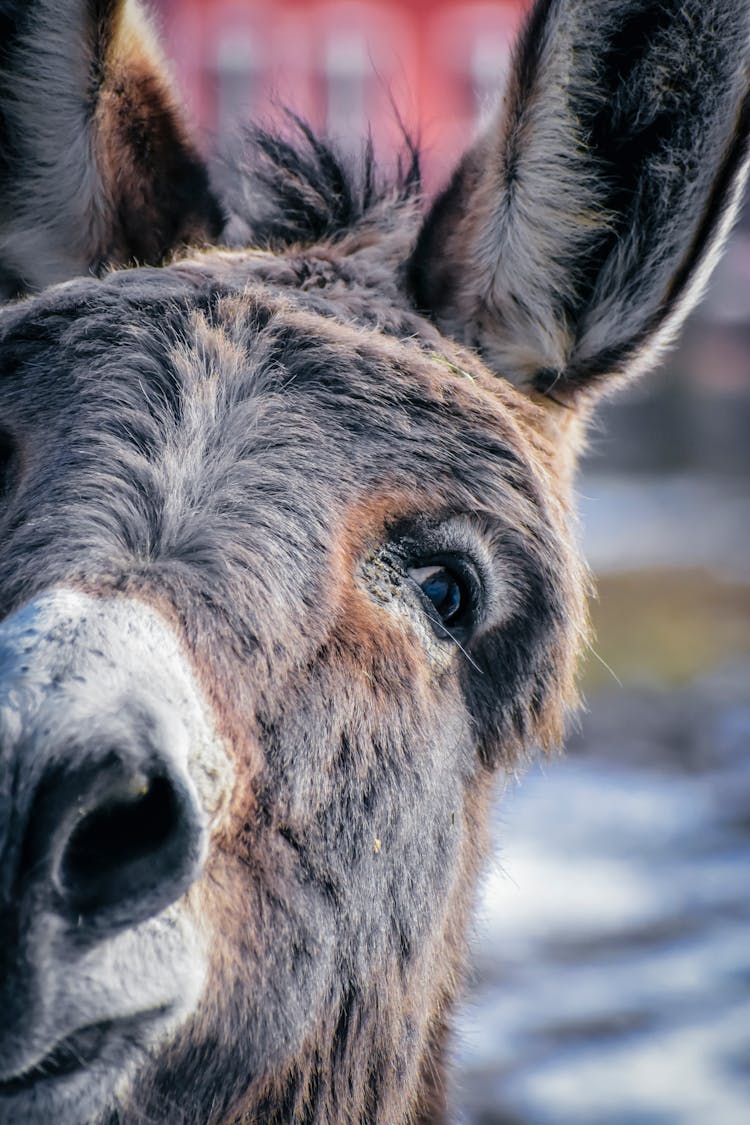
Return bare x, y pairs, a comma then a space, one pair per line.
420, 574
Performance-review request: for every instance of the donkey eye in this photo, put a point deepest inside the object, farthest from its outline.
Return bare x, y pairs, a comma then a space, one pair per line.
445, 589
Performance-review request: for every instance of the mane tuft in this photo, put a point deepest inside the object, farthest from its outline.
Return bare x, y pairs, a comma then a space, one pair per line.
293, 187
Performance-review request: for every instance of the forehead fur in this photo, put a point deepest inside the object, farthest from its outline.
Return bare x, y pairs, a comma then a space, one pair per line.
140, 366
220, 431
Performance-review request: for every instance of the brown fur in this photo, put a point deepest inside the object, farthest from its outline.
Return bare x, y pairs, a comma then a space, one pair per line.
261, 448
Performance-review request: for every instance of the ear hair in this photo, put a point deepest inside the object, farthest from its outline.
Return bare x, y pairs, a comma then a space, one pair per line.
581, 228
97, 165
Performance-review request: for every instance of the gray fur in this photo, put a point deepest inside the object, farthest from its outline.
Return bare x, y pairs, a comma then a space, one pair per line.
64, 208
582, 227
225, 482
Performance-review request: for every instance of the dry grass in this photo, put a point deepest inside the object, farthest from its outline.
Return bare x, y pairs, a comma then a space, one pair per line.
666, 626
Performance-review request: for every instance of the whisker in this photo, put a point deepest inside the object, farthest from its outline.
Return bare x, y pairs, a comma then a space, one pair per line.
603, 663
458, 645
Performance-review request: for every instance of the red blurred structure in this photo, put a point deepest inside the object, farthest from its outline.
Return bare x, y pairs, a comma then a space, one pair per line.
344, 65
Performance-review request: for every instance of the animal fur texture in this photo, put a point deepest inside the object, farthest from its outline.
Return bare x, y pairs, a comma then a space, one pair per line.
247, 746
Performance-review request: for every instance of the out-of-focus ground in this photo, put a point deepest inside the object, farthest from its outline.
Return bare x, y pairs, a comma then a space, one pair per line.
612, 971
611, 980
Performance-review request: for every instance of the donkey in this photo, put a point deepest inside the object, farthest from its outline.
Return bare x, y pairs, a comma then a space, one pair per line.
287, 574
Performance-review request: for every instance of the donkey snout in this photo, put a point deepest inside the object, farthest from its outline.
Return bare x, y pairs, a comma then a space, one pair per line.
113, 839
106, 749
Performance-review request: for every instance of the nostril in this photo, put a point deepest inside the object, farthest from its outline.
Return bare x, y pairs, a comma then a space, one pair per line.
114, 838
135, 851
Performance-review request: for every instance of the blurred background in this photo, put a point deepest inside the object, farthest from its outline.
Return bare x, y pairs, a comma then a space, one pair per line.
611, 979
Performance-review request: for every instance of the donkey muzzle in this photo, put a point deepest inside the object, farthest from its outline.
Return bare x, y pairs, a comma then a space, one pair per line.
110, 777
100, 821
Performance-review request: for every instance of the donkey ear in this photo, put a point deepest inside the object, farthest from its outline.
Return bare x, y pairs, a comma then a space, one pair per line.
96, 164
580, 229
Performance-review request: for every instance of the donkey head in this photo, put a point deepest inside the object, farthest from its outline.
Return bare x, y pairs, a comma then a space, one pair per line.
286, 571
